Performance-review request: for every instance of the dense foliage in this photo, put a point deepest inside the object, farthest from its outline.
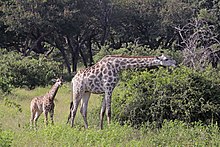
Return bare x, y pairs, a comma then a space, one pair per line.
136, 50
79, 29
17, 71
181, 93
6, 138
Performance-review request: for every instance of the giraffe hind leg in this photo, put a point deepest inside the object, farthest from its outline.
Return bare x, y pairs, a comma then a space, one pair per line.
69, 117
76, 101
106, 107
37, 115
84, 106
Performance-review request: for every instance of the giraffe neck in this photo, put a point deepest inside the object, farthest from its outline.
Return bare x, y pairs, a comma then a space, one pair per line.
135, 62
52, 93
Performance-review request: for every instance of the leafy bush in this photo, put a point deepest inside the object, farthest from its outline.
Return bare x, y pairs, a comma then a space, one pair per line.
6, 138
12, 104
5, 85
134, 50
152, 96
19, 71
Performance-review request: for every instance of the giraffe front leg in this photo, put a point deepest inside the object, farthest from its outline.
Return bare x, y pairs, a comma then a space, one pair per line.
108, 110
108, 96
51, 116
46, 117
52, 113
102, 113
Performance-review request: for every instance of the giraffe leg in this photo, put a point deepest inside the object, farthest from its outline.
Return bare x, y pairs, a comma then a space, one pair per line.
37, 115
102, 113
84, 106
108, 111
108, 107
76, 101
46, 117
68, 119
51, 116
32, 117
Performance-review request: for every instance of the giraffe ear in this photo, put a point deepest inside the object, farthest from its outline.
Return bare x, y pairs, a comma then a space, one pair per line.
61, 78
53, 80
162, 57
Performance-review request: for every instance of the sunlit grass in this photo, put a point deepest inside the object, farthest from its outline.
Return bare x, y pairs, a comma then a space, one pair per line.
11, 118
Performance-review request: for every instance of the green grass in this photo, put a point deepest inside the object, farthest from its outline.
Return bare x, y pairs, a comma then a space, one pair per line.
15, 130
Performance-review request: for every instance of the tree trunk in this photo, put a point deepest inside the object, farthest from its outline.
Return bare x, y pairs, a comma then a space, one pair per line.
106, 9
74, 53
104, 36
62, 50
89, 46
83, 57
75, 57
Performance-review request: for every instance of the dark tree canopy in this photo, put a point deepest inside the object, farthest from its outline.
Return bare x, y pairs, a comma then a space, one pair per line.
74, 31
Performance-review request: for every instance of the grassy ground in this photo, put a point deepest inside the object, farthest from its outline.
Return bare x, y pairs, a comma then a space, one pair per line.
15, 131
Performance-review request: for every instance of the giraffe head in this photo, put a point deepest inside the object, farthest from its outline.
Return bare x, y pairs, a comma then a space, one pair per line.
166, 61
58, 81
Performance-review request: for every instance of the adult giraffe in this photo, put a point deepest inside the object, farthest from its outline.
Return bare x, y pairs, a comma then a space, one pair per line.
102, 78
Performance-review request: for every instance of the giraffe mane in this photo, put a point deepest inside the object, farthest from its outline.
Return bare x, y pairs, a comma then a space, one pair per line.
125, 56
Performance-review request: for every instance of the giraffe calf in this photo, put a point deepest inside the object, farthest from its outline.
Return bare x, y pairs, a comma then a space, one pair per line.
44, 104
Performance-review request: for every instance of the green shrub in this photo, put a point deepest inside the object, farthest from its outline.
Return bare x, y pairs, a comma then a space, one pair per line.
135, 50
6, 138
19, 71
5, 85
152, 96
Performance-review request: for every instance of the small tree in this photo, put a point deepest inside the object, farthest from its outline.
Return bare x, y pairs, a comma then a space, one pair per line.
199, 43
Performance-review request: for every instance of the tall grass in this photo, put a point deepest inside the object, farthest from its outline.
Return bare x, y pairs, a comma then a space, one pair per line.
15, 130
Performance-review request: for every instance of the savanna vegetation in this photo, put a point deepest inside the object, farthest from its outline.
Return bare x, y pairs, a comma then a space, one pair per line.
44, 39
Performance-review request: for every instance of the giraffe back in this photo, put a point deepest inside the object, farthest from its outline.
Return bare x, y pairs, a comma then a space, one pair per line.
95, 79
42, 103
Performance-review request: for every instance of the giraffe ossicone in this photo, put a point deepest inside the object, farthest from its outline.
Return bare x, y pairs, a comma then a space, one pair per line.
102, 78
44, 104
